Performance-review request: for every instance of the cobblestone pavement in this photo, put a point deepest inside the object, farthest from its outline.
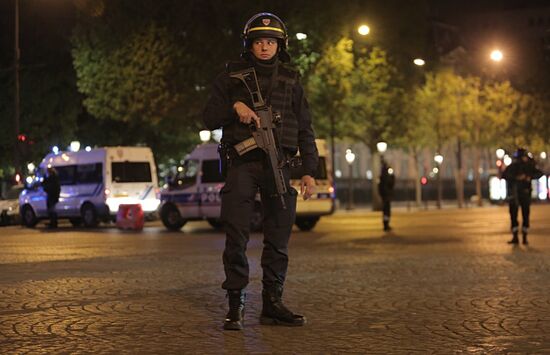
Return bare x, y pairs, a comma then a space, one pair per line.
441, 282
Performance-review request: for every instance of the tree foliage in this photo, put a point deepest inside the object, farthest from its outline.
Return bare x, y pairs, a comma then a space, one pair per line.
375, 109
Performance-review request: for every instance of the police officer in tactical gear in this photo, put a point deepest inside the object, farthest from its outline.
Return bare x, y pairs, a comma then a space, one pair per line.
230, 107
518, 177
52, 187
385, 190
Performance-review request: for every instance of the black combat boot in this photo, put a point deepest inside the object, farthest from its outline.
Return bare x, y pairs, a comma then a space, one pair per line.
524, 235
235, 317
515, 239
387, 227
274, 312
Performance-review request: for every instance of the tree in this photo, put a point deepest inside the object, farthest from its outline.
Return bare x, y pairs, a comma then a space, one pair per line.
435, 104
374, 106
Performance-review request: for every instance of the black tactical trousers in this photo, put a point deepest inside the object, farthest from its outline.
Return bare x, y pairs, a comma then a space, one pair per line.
238, 197
523, 200
52, 213
386, 209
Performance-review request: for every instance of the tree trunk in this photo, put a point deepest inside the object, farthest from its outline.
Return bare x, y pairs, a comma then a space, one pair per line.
417, 183
459, 176
376, 201
477, 176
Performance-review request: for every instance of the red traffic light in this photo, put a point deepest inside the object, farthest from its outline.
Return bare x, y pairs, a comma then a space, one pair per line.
21, 137
424, 180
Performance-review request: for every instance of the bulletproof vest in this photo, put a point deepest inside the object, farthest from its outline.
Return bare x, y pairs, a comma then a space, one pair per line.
280, 101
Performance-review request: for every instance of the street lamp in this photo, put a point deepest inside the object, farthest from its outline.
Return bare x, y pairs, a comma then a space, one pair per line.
301, 36
381, 147
363, 30
507, 160
419, 62
496, 55
204, 135
74, 146
438, 158
350, 158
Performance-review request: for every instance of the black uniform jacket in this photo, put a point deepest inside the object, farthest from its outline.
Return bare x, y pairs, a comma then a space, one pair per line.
518, 176
219, 113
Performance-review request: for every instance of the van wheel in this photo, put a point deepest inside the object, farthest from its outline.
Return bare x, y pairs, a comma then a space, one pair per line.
171, 218
89, 215
76, 222
256, 220
28, 217
215, 223
306, 223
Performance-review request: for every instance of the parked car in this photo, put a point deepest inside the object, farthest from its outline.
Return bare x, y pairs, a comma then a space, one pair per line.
9, 206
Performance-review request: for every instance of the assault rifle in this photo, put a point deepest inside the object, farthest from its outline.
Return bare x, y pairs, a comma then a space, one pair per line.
263, 137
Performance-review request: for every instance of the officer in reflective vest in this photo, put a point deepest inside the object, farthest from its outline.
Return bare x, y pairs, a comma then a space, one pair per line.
230, 107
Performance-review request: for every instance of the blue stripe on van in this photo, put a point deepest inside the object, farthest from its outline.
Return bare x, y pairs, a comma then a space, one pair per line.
98, 189
181, 198
146, 193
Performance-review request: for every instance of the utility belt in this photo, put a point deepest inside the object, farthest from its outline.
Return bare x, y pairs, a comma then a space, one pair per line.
247, 151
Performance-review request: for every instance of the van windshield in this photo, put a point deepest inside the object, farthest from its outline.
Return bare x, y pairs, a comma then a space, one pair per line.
131, 171
321, 173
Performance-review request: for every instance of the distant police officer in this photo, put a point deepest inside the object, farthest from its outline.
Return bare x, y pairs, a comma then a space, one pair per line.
385, 189
518, 177
229, 106
52, 188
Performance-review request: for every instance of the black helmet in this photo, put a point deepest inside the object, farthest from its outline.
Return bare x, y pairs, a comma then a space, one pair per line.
520, 152
267, 25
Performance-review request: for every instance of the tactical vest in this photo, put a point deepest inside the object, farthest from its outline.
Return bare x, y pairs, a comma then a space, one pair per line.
280, 101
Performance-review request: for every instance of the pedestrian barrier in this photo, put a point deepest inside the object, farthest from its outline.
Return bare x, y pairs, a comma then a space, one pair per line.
130, 216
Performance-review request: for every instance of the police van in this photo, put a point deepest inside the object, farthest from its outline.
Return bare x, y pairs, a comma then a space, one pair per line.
93, 185
194, 193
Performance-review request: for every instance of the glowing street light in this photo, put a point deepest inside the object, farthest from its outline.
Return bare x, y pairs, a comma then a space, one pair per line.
500, 153
74, 146
507, 160
301, 36
438, 158
496, 55
419, 61
381, 147
363, 30
204, 135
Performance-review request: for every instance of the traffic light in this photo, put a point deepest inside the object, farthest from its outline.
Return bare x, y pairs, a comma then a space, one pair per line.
22, 138
424, 180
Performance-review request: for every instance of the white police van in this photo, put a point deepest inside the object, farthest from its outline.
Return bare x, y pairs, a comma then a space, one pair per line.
194, 193
93, 185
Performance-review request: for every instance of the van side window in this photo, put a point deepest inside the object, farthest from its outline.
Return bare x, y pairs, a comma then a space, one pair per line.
187, 175
66, 174
89, 173
211, 171
131, 171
